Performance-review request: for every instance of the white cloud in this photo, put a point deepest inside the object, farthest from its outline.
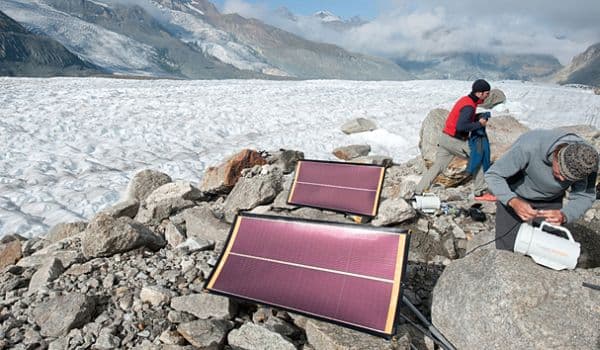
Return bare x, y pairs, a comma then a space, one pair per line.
420, 28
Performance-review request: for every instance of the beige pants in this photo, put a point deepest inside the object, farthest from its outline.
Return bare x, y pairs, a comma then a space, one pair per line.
448, 147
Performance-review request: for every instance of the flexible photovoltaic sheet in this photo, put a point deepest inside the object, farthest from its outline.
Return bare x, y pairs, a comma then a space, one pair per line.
346, 273
345, 187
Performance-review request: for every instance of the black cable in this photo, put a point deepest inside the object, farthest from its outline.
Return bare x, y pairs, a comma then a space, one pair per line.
492, 241
422, 330
591, 286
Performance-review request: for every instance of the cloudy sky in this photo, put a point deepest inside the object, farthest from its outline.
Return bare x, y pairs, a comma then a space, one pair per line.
424, 27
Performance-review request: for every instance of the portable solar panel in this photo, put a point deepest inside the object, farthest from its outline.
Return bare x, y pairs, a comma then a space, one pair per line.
344, 273
345, 187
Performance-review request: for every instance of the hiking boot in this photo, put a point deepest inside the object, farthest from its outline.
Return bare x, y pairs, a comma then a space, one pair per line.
486, 197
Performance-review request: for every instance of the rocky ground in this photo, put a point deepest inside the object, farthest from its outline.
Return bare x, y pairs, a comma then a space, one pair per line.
133, 276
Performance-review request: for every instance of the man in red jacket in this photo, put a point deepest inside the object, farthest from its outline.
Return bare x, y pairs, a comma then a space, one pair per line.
461, 121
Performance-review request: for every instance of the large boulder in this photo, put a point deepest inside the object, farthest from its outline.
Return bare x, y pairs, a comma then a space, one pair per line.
166, 200
251, 192
502, 132
500, 300
145, 182
495, 98
106, 236
222, 178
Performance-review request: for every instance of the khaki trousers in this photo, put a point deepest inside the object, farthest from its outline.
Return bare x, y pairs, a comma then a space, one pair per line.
448, 147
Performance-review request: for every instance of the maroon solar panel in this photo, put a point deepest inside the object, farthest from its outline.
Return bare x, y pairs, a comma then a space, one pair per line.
346, 187
344, 273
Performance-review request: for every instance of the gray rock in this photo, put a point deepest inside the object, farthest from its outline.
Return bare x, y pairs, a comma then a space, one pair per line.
145, 182
155, 295
64, 230
384, 161
352, 151
358, 125
107, 340
195, 244
205, 334
495, 98
393, 211
10, 253
128, 207
254, 337
509, 302
326, 336
59, 315
166, 200
106, 236
205, 306
49, 271
173, 236
249, 193
286, 160
66, 257
201, 222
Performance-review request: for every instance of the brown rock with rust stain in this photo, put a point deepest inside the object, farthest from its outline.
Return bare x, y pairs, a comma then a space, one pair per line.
222, 178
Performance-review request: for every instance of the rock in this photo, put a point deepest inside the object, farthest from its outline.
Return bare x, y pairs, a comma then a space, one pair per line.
384, 161
222, 178
106, 236
107, 340
205, 306
64, 230
249, 193
393, 211
145, 182
495, 98
430, 132
48, 272
201, 222
502, 132
358, 125
286, 160
10, 253
254, 337
205, 334
326, 336
59, 315
509, 302
195, 244
155, 295
128, 207
173, 236
352, 151
166, 200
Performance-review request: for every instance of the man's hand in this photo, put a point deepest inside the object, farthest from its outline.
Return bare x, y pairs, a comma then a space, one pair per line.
553, 216
523, 209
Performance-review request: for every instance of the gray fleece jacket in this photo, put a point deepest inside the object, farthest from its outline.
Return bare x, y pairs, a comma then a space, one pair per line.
530, 159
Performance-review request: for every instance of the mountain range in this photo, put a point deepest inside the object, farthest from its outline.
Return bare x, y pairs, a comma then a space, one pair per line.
191, 39
23, 53
188, 39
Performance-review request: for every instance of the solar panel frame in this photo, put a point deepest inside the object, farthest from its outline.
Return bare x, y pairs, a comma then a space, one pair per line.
372, 214
401, 283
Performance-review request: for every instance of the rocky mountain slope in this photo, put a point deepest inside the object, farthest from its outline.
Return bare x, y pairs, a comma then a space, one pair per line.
188, 39
583, 69
23, 53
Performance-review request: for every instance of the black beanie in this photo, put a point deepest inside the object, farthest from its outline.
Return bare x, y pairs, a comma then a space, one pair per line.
480, 85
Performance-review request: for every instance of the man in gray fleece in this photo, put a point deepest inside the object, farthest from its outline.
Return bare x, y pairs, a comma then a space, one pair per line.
531, 179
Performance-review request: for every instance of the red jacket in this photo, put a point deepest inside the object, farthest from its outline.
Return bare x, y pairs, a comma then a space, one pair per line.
452, 119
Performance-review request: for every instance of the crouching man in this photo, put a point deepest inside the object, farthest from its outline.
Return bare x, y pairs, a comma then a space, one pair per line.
531, 179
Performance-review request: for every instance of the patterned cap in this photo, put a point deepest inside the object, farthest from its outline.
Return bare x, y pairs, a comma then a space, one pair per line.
577, 160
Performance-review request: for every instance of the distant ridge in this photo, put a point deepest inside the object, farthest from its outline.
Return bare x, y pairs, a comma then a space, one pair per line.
23, 53
583, 69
